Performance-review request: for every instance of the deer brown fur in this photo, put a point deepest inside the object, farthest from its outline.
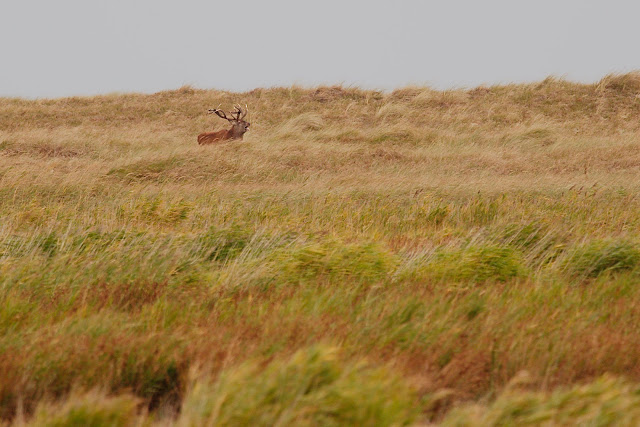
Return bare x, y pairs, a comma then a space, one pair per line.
238, 127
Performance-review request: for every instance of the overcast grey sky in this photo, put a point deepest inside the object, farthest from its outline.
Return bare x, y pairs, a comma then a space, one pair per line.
83, 47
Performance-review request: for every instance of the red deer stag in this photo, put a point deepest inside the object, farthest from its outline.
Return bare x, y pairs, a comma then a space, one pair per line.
238, 126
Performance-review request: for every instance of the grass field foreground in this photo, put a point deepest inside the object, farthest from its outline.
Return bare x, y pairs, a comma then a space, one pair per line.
464, 257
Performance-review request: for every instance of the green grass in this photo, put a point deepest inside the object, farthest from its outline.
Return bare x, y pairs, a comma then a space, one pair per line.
476, 264
313, 387
93, 409
606, 401
599, 257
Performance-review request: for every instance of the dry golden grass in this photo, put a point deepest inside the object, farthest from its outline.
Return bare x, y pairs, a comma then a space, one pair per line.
448, 239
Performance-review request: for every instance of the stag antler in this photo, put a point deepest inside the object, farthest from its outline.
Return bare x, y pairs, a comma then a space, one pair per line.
219, 113
213, 110
238, 112
236, 115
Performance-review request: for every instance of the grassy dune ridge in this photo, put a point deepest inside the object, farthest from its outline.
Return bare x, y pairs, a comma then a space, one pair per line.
360, 258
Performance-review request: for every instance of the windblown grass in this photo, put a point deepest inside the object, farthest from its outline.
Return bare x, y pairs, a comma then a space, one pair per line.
606, 401
312, 388
439, 242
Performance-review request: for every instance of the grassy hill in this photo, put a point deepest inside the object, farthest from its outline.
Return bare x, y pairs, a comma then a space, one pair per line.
466, 257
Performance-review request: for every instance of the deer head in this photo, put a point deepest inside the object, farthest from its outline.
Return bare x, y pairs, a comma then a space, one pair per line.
238, 125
